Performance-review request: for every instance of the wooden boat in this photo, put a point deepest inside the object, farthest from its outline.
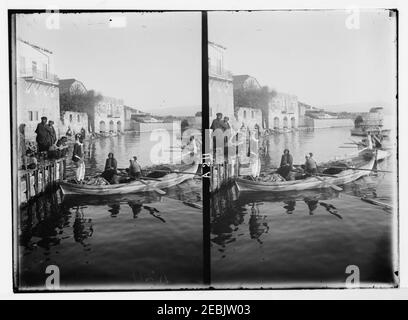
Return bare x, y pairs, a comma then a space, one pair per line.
362, 132
144, 185
345, 176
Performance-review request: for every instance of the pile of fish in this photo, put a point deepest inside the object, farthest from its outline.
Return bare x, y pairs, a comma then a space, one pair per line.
97, 181
271, 177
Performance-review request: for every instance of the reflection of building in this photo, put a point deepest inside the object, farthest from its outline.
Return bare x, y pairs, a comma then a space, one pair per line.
109, 115
220, 83
249, 117
283, 111
37, 87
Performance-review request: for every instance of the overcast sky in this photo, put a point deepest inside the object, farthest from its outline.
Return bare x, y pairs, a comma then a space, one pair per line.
313, 54
154, 63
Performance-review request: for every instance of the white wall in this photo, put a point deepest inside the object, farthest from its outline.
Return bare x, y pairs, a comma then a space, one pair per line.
253, 117
37, 96
70, 119
109, 110
332, 123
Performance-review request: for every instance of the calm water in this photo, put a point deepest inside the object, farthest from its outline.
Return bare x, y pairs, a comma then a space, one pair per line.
308, 238
133, 241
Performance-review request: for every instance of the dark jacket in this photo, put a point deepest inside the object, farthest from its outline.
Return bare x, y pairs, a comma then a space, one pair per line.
217, 124
78, 151
286, 160
111, 164
43, 136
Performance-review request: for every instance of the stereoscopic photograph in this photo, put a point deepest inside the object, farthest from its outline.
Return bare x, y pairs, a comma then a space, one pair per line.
120, 144
303, 116
106, 126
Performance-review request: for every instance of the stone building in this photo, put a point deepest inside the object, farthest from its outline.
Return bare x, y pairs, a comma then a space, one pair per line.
221, 95
109, 115
249, 117
131, 117
245, 82
71, 86
283, 112
73, 120
37, 87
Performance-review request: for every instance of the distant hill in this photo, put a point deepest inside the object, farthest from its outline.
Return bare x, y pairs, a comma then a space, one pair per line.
358, 107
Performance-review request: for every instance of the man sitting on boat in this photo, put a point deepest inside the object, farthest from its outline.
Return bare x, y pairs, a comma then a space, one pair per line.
310, 165
135, 170
285, 164
110, 172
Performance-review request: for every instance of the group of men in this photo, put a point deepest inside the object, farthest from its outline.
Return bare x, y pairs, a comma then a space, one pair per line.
220, 123
46, 135
286, 165
111, 170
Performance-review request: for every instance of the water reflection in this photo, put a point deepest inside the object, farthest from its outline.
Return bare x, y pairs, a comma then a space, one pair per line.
258, 224
289, 206
229, 208
43, 221
82, 227
118, 238
268, 238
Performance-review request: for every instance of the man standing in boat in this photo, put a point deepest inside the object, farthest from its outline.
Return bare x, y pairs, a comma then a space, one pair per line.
78, 158
286, 164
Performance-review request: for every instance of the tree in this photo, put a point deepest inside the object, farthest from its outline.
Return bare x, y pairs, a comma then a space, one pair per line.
254, 98
78, 101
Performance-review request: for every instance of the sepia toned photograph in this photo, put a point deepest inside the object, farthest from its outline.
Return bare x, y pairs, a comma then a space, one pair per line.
303, 121
106, 125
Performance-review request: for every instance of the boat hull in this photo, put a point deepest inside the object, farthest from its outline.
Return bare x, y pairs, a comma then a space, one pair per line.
167, 181
363, 133
342, 178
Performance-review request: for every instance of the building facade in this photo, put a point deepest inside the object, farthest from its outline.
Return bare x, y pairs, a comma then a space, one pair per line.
76, 121
249, 117
283, 112
221, 94
37, 87
245, 82
109, 115
131, 115
71, 86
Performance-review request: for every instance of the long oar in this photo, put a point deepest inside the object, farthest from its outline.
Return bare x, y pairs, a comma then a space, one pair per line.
337, 188
159, 191
170, 171
372, 170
